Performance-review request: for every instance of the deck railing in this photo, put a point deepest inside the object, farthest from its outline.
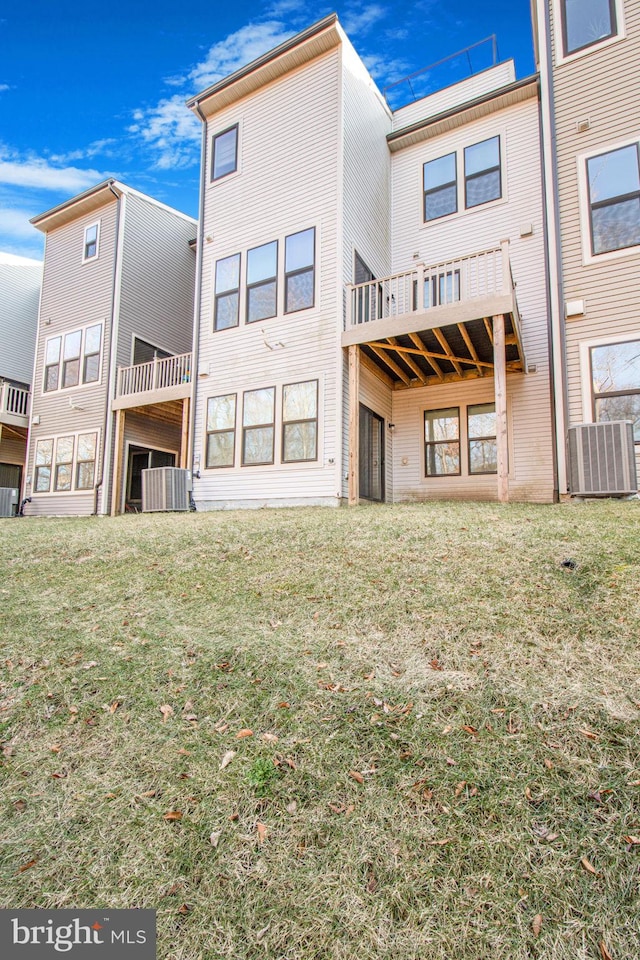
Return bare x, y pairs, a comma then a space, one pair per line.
155, 375
14, 400
483, 274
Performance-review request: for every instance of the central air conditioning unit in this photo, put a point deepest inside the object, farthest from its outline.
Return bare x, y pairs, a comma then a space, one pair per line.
9, 497
602, 459
165, 488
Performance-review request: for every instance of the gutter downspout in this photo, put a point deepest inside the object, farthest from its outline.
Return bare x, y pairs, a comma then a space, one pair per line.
115, 324
198, 291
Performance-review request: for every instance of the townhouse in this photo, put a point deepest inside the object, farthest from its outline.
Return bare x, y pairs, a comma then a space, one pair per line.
112, 373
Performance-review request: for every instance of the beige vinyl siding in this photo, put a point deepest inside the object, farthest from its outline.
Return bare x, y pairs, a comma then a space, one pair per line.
157, 281
20, 282
286, 182
12, 450
454, 96
469, 231
74, 295
601, 86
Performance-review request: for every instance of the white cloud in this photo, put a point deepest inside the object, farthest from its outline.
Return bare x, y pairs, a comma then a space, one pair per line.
171, 130
15, 224
98, 147
361, 19
236, 50
4, 86
38, 173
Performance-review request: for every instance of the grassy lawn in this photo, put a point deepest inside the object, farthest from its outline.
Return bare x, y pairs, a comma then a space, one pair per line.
396, 732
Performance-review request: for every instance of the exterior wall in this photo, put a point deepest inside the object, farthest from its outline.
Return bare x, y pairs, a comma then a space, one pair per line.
601, 85
74, 295
20, 282
288, 180
157, 280
468, 231
13, 449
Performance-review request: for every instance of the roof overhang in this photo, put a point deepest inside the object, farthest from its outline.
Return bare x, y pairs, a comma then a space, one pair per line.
317, 39
78, 206
483, 106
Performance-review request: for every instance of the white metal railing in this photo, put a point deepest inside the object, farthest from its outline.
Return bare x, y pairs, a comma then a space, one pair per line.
438, 285
14, 400
154, 375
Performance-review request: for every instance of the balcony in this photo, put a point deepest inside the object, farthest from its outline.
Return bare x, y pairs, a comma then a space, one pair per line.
156, 382
434, 323
14, 405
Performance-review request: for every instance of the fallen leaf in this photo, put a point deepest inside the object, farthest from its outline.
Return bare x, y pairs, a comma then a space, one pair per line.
269, 737
469, 729
221, 728
451, 762
589, 734
114, 706
262, 933
241, 734
439, 843
284, 705
262, 832
20, 805
26, 866
369, 676
548, 764
604, 953
588, 866
185, 908
536, 924
228, 757
356, 776
291, 807
173, 815
460, 787
214, 838
166, 712
56, 748
184, 753
633, 841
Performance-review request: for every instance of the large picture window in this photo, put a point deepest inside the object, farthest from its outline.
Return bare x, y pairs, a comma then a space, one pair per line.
224, 151
442, 442
221, 430
66, 463
258, 426
585, 22
78, 352
614, 199
440, 187
482, 179
481, 435
300, 421
262, 269
227, 292
299, 272
615, 378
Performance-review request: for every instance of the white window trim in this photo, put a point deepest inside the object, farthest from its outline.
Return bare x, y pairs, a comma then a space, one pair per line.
586, 385
212, 134
74, 492
96, 256
464, 211
588, 257
560, 57
80, 385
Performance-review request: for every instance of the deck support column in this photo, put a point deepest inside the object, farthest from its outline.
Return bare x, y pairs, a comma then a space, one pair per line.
500, 386
118, 464
354, 425
184, 440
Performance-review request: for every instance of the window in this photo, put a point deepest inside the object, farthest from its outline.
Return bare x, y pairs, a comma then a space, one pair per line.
221, 430
86, 461
615, 378
299, 272
91, 237
258, 426
614, 199
440, 187
64, 463
585, 22
44, 460
481, 433
262, 268
482, 181
442, 442
227, 293
300, 421
224, 150
80, 358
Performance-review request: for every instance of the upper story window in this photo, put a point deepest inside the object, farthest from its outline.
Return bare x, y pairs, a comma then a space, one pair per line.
262, 270
91, 240
224, 153
227, 292
482, 179
73, 359
614, 199
615, 378
440, 187
299, 270
585, 22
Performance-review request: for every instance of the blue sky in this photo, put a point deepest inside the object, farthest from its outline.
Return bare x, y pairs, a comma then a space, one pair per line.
88, 92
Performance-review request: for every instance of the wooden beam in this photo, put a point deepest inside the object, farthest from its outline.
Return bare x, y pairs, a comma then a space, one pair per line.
184, 439
354, 425
431, 353
442, 340
500, 386
487, 326
376, 370
413, 366
470, 347
378, 349
118, 464
429, 357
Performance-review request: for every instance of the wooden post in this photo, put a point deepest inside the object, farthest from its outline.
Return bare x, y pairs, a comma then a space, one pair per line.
500, 386
118, 464
354, 425
184, 441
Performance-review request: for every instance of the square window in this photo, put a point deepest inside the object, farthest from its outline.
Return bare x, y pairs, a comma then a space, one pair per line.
482, 178
224, 149
440, 187
615, 381
585, 22
262, 266
442, 442
614, 199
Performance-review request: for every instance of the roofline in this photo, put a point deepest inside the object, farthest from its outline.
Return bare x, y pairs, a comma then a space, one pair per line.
15, 260
104, 185
263, 60
487, 98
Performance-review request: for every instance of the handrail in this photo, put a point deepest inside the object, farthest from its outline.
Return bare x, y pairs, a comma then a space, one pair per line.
14, 400
156, 374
